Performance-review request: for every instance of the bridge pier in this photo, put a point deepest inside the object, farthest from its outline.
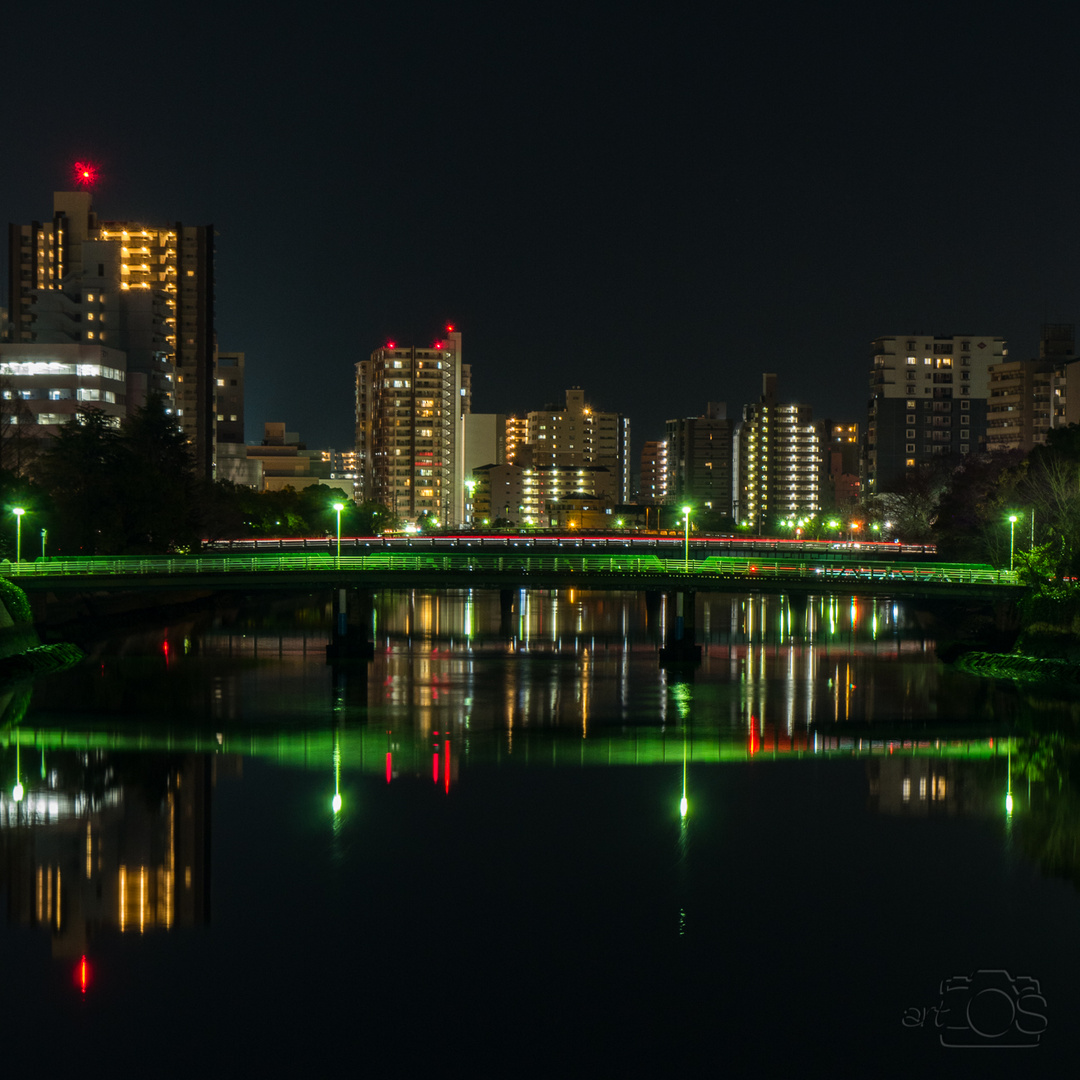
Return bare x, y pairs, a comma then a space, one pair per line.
507, 604
352, 637
680, 644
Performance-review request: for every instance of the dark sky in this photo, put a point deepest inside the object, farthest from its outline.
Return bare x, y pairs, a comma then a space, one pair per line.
657, 202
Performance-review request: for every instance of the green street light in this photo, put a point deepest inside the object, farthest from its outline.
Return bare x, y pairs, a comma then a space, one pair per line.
338, 507
686, 521
1012, 539
18, 511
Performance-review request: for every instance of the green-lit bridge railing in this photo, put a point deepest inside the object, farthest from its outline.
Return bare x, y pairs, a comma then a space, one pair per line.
630, 566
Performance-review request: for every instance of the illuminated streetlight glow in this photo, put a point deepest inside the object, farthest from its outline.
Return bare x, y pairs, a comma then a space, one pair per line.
338, 507
18, 511
1012, 539
686, 550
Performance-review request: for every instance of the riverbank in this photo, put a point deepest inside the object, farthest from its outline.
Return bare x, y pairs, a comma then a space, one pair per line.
1031, 670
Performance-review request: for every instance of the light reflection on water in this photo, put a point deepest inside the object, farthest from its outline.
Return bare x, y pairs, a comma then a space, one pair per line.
495, 726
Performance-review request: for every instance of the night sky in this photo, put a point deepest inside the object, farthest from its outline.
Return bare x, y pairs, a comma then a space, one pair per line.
657, 202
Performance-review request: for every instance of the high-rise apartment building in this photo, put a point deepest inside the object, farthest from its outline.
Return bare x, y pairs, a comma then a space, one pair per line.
653, 489
147, 290
576, 435
928, 397
699, 459
778, 460
411, 405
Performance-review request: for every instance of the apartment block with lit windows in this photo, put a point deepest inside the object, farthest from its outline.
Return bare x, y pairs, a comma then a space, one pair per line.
574, 436
1028, 398
928, 397
652, 489
147, 290
778, 460
410, 410
699, 459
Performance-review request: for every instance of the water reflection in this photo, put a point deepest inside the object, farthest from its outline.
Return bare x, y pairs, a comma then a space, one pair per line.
102, 840
120, 758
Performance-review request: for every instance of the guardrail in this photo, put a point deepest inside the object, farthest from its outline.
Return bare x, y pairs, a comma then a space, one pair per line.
636, 566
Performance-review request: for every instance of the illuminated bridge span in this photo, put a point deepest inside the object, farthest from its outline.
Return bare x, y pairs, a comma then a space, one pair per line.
524, 569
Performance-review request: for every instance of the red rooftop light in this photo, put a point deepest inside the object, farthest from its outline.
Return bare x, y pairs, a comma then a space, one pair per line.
390, 344
450, 328
85, 173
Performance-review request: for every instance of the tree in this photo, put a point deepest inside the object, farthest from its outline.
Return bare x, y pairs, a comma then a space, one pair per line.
81, 470
159, 513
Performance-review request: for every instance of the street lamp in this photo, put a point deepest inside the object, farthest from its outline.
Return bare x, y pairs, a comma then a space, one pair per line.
18, 511
338, 507
44, 539
1012, 539
686, 550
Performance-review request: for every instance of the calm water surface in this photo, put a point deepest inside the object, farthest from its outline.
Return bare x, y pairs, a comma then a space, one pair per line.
551, 855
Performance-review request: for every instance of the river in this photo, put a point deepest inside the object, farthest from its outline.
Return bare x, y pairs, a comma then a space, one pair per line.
512, 842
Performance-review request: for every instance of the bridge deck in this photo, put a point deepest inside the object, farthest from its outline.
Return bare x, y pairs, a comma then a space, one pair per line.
716, 573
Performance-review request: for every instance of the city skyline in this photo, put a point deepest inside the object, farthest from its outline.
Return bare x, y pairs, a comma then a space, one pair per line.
658, 207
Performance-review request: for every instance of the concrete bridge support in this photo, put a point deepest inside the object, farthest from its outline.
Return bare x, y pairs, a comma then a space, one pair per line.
508, 599
352, 637
680, 644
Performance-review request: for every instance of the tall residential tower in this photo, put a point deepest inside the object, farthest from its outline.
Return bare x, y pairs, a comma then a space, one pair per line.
410, 418
146, 290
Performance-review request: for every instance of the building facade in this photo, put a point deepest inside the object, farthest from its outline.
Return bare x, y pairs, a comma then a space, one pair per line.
411, 405
778, 461
928, 397
147, 290
1029, 397
652, 488
44, 386
699, 459
574, 436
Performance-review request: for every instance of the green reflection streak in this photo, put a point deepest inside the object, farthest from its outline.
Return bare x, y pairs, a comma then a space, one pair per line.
365, 750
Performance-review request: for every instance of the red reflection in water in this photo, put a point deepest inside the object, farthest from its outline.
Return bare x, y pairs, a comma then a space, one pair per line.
435, 766
388, 766
83, 974
446, 765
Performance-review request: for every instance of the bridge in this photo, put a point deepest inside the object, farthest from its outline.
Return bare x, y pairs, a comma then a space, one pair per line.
470, 569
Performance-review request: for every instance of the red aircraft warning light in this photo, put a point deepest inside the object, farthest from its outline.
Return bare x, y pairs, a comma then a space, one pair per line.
85, 173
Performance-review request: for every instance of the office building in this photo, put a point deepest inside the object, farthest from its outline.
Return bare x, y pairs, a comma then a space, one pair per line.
44, 386
411, 405
146, 290
778, 461
928, 397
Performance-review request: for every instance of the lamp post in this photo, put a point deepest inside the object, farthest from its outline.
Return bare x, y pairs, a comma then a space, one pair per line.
1012, 539
338, 507
18, 511
686, 548
44, 540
